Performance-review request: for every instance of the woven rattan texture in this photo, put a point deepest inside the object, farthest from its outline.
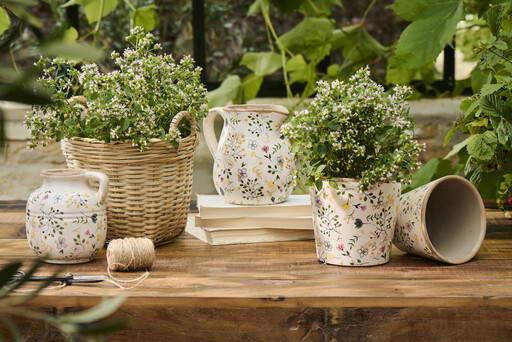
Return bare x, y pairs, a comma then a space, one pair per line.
149, 191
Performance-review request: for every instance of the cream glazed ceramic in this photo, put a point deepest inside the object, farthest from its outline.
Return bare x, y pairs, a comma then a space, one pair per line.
253, 162
442, 220
354, 228
66, 218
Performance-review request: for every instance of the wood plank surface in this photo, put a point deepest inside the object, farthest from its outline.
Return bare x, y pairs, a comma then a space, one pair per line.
279, 291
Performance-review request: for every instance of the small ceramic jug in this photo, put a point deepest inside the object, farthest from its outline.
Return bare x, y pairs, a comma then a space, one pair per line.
66, 218
253, 162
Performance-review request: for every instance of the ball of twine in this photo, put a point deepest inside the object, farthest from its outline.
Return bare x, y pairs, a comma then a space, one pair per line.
130, 254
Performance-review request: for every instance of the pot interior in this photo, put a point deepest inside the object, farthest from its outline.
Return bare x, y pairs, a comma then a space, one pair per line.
455, 220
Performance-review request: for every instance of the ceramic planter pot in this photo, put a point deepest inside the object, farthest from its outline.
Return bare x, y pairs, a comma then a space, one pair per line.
253, 162
354, 228
66, 218
443, 220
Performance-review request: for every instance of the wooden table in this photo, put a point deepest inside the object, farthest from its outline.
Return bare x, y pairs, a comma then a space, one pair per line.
280, 292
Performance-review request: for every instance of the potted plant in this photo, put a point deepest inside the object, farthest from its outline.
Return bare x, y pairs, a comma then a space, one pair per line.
487, 153
128, 124
355, 146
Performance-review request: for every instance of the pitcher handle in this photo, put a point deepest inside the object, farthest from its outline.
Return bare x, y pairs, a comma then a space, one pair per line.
208, 129
103, 179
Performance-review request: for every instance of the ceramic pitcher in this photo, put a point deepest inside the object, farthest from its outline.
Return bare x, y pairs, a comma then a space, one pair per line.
66, 218
253, 162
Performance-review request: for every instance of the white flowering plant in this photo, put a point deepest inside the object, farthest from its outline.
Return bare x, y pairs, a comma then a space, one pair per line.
134, 103
354, 129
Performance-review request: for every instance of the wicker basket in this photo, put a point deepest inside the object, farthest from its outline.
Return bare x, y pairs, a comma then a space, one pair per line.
149, 191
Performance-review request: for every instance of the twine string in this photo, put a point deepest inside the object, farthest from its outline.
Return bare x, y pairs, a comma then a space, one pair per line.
128, 254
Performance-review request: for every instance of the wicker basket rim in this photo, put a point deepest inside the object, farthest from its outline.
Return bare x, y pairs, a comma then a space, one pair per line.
121, 143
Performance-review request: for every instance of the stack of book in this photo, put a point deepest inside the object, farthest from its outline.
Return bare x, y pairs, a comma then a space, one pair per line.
220, 223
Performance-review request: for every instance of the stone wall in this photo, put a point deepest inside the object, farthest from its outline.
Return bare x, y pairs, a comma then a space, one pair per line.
20, 167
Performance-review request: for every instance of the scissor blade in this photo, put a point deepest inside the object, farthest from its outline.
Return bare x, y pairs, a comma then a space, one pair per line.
81, 279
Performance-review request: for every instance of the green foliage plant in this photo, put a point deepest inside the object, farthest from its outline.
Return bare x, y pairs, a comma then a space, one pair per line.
488, 117
134, 103
354, 129
87, 325
299, 51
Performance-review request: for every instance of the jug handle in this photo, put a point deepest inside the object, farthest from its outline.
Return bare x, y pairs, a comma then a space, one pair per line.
103, 179
208, 129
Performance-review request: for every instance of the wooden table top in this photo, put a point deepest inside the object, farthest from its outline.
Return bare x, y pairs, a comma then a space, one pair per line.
190, 273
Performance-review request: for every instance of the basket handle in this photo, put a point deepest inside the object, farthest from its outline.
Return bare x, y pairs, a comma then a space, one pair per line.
184, 114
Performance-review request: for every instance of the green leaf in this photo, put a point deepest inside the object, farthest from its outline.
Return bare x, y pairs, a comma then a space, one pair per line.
251, 85
482, 146
145, 17
297, 68
321, 150
477, 80
468, 166
450, 134
311, 36
258, 6
476, 176
456, 148
73, 50
491, 105
229, 90
435, 168
320, 168
398, 75
5, 20
20, 9
93, 8
409, 9
104, 309
488, 184
262, 63
333, 71
359, 48
504, 132
318, 184
317, 8
433, 27
500, 44
70, 35
490, 88
125, 123
8, 271
494, 19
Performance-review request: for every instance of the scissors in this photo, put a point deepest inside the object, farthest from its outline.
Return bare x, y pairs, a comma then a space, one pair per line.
67, 279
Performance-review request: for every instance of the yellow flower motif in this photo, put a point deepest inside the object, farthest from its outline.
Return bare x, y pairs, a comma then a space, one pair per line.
98, 236
271, 184
32, 234
345, 206
253, 154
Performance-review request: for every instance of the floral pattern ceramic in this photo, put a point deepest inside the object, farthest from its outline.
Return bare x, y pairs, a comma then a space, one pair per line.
409, 232
253, 162
354, 228
66, 219
443, 220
